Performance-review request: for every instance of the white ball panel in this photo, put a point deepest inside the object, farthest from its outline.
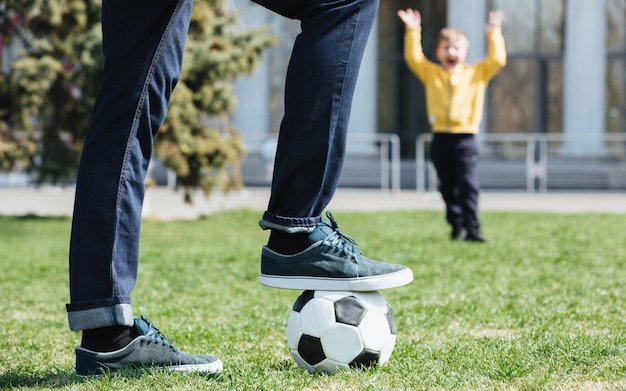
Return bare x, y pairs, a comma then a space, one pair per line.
342, 343
385, 353
294, 331
332, 295
316, 317
375, 330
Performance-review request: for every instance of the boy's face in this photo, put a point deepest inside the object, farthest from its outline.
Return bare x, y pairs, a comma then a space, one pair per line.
452, 52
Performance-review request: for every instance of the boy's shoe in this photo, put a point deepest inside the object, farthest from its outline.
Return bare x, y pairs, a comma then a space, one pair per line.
150, 349
474, 235
458, 233
332, 263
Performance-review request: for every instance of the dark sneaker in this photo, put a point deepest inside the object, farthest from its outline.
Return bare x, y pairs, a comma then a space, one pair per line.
331, 263
474, 235
150, 349
458, 233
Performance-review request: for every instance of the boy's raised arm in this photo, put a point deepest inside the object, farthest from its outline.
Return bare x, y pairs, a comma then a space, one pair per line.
496, 19
496, 49
410, 17
413, 52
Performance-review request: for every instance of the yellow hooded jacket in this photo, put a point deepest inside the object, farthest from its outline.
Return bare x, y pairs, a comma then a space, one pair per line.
455, 98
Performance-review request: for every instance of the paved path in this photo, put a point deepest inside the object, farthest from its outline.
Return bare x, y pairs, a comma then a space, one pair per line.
162, 203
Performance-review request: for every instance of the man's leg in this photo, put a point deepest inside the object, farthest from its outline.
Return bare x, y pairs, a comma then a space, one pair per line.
143, 44
143, 55
319, 87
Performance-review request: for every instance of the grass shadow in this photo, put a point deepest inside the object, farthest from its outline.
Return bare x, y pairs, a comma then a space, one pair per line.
34, 217
64, 378
52, 379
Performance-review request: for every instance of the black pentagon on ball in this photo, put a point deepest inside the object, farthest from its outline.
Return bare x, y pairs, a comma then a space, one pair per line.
349, 310
310, 349
391, 320
366, 358
304, 298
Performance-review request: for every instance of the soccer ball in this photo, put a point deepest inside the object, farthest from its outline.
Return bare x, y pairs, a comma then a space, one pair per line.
329, 331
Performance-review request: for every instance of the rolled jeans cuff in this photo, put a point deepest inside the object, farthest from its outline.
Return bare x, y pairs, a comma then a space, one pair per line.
289, 224
93, 318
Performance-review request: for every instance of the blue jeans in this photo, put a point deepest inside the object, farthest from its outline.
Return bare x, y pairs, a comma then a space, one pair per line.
143, 42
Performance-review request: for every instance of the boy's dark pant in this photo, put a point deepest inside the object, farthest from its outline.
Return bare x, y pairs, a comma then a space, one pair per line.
455, 157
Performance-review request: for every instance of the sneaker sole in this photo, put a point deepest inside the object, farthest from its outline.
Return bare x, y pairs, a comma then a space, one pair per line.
357, 284
211, 368
88, 366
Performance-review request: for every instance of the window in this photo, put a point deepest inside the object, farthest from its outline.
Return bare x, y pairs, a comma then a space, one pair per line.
526, 96
401, 103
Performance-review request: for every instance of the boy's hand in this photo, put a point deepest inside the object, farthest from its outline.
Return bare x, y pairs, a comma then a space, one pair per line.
411, 18
496, 19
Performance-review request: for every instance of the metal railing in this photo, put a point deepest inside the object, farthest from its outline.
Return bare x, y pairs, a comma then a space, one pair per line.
372, 161
380, 155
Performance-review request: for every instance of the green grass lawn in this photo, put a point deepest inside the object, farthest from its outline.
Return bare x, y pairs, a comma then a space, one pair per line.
538, 307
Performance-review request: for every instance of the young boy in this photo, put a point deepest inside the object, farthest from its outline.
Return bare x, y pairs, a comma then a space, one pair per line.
455, 93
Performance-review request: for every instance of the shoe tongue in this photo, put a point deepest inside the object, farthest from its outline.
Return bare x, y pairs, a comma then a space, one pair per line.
142, 326
320, 232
